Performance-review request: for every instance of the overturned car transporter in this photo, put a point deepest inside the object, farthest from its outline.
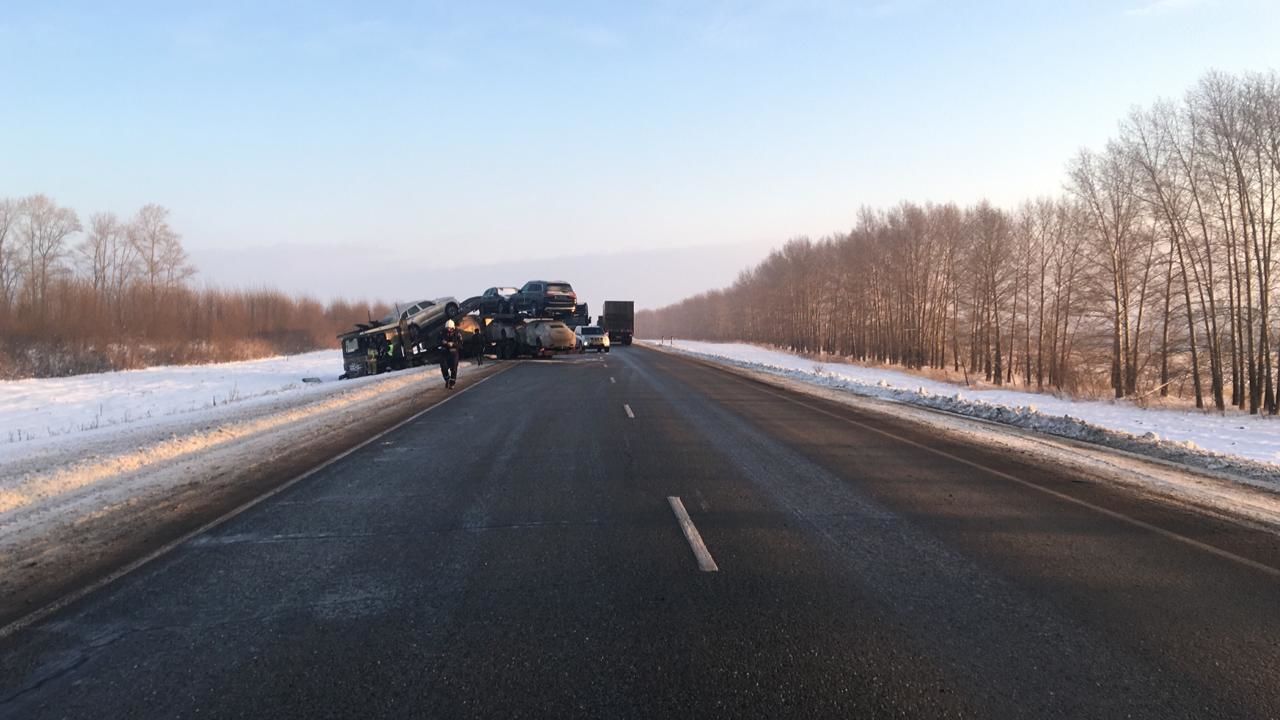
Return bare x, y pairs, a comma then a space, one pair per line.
377, 347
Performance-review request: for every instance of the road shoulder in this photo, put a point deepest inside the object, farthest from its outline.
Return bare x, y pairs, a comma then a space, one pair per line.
55, 550
1229, 497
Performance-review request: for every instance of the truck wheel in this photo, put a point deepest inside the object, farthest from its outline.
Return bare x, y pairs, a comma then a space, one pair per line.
412, 333
451, 311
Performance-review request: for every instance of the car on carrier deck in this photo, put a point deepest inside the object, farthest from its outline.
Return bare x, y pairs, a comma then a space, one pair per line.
546, 336
416, 318
544, 298
496, 300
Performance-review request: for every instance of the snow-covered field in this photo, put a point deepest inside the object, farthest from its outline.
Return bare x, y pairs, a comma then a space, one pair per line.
76, 447
81, 444
38, 414
1233, 441
88, 460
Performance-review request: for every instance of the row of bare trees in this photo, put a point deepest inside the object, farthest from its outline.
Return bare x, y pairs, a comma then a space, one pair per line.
118, 294
37, 250
1152, 273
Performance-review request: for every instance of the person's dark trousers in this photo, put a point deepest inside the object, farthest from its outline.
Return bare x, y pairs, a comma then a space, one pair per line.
449, 365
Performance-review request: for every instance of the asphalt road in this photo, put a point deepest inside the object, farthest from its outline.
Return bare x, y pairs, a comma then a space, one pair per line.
514, 553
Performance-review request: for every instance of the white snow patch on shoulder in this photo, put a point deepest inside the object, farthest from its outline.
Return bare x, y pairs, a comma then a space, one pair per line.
44, 414
1233, 441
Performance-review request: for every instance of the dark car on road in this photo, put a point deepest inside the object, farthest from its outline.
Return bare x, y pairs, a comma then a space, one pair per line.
496, 300
543, 298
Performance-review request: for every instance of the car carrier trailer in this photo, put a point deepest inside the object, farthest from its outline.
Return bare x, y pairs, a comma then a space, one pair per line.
373, 348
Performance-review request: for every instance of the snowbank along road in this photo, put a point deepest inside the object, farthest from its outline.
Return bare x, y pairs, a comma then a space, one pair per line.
645, 535
74, 504
1247, 445
46, 419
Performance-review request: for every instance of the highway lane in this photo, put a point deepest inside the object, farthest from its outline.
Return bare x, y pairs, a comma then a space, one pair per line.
514, 552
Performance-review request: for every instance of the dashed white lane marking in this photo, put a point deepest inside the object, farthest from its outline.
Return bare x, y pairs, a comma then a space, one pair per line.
705, 562
628, 409
611, 380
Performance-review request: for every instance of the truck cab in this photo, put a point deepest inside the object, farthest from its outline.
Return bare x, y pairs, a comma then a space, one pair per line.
371, 350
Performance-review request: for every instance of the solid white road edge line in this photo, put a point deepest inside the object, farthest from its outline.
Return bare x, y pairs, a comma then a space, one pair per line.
37, 615
1169, 534
705, 561
628, 409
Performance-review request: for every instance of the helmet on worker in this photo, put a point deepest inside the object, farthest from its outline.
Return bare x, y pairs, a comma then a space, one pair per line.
448, 324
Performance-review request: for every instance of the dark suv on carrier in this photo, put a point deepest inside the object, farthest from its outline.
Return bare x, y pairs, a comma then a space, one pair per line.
542, 298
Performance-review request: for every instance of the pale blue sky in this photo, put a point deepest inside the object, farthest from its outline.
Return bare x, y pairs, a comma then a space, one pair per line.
460, 134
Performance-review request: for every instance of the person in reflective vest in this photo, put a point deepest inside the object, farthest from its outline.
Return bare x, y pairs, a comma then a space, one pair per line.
390, 351
450, 349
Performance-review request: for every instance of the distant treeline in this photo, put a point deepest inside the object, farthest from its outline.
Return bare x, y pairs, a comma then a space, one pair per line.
1151, 274
118, 294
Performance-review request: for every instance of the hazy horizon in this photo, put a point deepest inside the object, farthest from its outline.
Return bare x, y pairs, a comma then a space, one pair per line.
475, 137
596, 277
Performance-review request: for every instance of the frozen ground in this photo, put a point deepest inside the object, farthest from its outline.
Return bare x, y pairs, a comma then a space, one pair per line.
1234, 442
80, 446
42, 414
95, 461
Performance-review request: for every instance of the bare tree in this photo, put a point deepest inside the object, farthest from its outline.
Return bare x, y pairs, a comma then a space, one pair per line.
43, 232
94, 253
1105, 184
162, 261
1187, 202
108, 260
9, 211
1150, 141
